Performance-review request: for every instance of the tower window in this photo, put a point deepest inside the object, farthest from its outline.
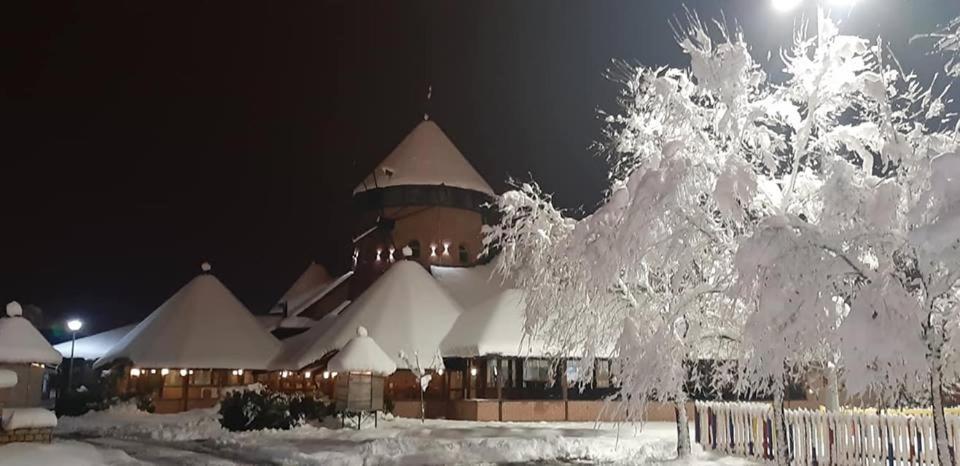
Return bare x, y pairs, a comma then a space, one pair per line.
415, 249
463, 253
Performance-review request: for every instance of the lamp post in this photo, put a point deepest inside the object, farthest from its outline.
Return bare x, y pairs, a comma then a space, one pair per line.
74, 325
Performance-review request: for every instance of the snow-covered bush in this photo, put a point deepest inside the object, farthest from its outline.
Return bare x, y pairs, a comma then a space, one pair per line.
259, 409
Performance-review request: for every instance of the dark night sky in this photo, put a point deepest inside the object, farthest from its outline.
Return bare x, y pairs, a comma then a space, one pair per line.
141, 138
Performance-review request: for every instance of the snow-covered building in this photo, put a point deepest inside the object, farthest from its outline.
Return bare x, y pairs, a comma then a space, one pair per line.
405, 310
424, 196
24, 355
201, 339
312, 296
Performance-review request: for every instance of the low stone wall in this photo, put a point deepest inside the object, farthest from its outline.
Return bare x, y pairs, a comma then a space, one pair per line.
44, 435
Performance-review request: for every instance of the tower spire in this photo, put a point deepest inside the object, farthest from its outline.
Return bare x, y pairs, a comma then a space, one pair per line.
426, 114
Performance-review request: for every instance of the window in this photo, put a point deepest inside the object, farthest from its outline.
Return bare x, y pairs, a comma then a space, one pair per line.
573, 371
602, 373
463, 253
414, 249
503, 370
536, 370
200, 377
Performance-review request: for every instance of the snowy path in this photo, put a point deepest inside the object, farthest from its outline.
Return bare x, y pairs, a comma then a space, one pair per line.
170, 453
197, 438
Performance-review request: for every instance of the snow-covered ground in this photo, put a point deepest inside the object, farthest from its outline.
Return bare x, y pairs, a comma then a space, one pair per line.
125, 436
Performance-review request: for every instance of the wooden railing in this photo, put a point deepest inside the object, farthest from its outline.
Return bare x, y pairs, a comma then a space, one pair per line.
819, 437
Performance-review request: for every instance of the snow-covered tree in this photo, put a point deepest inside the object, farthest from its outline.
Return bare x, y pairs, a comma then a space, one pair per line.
790, 218
423, 374
649, 269
859, 260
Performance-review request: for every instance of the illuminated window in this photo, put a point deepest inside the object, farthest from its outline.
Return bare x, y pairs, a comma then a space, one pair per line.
536, 370
463, 254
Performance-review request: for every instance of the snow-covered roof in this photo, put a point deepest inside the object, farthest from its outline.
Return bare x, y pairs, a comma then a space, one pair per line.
470, 286
294, 347
202, 325
362, 354
21, 343
426, 156
96, 345
313, 279
309, 296
405, 309
494, 326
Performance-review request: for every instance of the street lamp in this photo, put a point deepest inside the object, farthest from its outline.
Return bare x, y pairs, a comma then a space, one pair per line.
74, 325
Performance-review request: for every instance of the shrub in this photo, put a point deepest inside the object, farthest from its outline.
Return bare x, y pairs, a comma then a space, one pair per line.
266, 409
308, 407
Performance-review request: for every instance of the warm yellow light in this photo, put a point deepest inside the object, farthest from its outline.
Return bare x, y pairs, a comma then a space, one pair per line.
440, 371
326, 374
473, 371
153, 371
183, 372
306, 374
164, 371
190, 371
135, 372
333, 374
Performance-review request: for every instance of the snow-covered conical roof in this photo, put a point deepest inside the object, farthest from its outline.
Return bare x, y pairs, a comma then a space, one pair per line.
94, 346
405, 308
203, 325
362, 354
494, 326
313, 279
426, 156
21, 343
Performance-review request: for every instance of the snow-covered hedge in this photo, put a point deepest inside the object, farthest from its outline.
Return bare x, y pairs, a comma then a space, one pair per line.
259, 408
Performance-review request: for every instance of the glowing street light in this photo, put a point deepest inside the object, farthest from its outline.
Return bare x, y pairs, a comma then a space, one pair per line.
785, 5
74, 325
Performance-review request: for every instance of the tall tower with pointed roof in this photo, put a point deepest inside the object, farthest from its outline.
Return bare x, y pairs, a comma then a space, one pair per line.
424, 199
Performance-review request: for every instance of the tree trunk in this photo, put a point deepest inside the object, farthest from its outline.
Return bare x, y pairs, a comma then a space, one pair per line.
781, 447
423, 411
832, 401
944, 451
683, 428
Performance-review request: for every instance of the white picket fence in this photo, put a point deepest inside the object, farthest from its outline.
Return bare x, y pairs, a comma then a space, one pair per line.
821, 438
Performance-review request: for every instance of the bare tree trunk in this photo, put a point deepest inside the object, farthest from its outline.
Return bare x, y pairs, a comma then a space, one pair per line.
832, 401
945, 453
423, 415
781, 447
683, 427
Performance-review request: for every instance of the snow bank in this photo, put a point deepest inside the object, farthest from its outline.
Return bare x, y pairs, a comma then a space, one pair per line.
65, 453
25, 418
122, 421
8, 378
362, 354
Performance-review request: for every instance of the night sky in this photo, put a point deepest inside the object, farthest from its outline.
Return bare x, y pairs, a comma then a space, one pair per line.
142, 138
